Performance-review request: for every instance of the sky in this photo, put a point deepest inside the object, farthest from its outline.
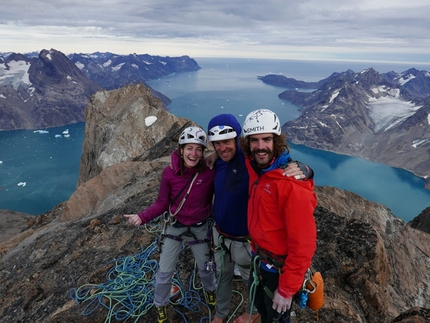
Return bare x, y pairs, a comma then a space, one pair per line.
332, 30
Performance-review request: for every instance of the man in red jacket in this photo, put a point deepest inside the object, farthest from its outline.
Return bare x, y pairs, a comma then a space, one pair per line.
280, 217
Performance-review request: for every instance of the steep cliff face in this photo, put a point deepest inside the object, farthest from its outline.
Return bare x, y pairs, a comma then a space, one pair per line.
375, 266
122, 124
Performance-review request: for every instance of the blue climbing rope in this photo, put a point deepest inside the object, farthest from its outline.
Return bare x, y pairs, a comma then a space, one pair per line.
128, 292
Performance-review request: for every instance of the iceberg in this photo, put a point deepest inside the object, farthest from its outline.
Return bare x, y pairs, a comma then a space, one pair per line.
22, 184
57, 136
41, 131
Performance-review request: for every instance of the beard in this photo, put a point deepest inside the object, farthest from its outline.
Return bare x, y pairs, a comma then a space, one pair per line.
262, 161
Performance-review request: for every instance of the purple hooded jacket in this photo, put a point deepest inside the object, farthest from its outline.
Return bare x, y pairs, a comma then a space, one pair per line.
198, 205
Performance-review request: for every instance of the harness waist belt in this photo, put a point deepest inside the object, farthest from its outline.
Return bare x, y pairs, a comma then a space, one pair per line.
270, 258
178, 224
234, 238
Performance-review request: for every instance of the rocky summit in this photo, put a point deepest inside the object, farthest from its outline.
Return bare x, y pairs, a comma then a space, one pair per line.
380, 117
83, 262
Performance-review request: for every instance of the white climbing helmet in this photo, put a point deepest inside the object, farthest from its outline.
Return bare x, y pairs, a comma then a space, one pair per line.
261, 121
218, 133
193, 135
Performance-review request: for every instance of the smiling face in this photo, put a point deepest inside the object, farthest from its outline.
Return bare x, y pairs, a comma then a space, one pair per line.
192, 154
261, 146
225, 149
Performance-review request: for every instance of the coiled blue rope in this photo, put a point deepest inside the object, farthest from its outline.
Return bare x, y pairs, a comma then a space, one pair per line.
128, 292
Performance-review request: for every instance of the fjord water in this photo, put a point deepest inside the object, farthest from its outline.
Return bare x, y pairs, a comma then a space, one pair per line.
50, 165
39, 170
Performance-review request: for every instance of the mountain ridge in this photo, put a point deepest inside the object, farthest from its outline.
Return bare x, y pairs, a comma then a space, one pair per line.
51, 89
380, 117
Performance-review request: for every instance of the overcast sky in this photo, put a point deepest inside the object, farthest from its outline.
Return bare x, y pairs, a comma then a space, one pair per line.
359, 30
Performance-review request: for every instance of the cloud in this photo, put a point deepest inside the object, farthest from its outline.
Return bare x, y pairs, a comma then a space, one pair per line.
376, 30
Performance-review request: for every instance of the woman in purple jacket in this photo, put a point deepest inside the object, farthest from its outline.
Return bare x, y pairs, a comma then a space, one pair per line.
186, 192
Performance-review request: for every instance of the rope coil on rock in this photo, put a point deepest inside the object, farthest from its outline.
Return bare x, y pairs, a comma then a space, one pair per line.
128, 292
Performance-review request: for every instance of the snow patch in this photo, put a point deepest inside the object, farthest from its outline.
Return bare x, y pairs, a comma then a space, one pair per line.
150, 120
379, 89
107, 63
79, 65
16, 75
416, 143
405, 79
388, 111
116, 68
334, 95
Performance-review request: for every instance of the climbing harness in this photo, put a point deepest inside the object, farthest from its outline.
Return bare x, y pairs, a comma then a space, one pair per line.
234, 238
222, 247
258, 279
270, 258
168, 217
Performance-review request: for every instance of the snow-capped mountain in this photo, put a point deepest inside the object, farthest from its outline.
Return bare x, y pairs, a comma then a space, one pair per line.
51, 89
42, 92
381, 117
113, 71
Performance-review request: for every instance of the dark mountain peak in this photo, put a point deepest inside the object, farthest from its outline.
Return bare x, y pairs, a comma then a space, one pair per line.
54, 67
16, 57
416, 82
339, 74
113, 71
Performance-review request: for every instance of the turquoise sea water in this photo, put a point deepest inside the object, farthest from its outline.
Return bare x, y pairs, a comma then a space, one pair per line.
50, 165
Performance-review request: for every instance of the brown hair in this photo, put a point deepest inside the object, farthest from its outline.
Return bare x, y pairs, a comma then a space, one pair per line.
279, 145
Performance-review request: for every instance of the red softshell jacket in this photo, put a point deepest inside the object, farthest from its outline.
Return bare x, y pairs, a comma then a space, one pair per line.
281, 221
